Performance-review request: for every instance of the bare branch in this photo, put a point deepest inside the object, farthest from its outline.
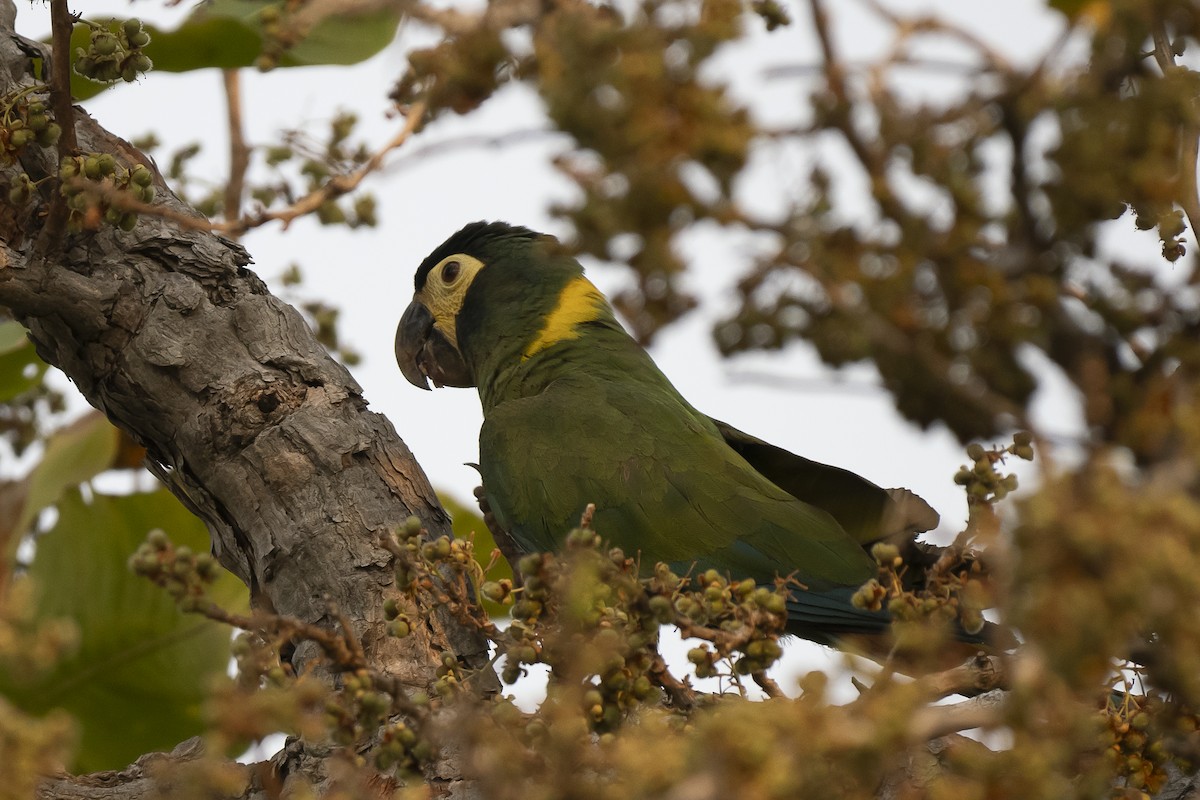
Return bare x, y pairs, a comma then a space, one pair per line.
333, 188
140, 779
239, 151
932, 722
768, 684
419, 154
908, 27
938, 65
187, 219
1189, 193
62, 22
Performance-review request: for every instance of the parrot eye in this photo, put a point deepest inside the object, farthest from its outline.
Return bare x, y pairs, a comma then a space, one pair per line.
450, 271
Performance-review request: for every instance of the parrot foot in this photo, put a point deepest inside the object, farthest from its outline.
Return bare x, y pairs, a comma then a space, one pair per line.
504, 541
979, 674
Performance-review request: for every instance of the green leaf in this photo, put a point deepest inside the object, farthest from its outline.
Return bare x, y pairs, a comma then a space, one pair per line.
228, 34
344, 40
465, 522
204, 41
20, 367
12, 336
77, 453
140, 675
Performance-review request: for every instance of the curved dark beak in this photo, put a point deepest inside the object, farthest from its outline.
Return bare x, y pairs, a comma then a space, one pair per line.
423, 352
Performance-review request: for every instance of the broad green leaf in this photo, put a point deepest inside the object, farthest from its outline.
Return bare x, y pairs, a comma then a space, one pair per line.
228, 34
12, 336
20, 367
140, 675
344, 40
77, 453
200, 42
466, 521
204, 41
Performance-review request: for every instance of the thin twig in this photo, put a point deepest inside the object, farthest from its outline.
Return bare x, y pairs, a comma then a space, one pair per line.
335, 187
239, 152
1189, 193
479, 141
62, 22
679, 693
907, 27
343, 649
123, 200
767, 684
499, 15
939, 65
871, 159
353, 645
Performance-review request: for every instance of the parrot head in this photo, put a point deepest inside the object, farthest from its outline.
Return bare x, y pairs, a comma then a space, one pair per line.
491, 294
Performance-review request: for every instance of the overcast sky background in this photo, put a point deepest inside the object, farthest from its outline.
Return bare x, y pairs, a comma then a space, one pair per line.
840, 418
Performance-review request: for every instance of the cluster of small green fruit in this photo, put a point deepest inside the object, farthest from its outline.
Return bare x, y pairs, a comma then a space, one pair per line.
276, 35
943, 597
443, 570
184, 574
417, 552
733, 607
1140, 739
110, 55
362, 706
349, 715
402, 747
27, 122
587, 612
257, 660
359, 707
1171, 227
320, 164
981, 480
86, 206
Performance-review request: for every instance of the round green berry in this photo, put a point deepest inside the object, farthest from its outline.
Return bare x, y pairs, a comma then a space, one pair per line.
20, 138
104, 43
141, 175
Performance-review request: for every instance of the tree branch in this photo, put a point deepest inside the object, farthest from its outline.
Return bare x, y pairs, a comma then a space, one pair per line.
1189, 193
59, 76
933, 722
138, 780
239, 151
336, 186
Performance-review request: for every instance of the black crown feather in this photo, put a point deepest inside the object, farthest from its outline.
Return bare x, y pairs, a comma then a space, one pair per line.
471, 240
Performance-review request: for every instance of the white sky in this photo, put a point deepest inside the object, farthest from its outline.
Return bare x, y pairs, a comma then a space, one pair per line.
368, 273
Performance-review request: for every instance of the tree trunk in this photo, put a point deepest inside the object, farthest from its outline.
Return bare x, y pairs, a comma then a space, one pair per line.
244, 415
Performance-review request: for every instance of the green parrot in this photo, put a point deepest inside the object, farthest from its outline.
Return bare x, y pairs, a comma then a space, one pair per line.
575, 413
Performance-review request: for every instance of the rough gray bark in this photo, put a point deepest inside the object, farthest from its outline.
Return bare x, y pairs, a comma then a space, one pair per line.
244, 415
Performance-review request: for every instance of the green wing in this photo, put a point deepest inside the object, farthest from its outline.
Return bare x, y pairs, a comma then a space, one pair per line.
664, 482
865, 511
